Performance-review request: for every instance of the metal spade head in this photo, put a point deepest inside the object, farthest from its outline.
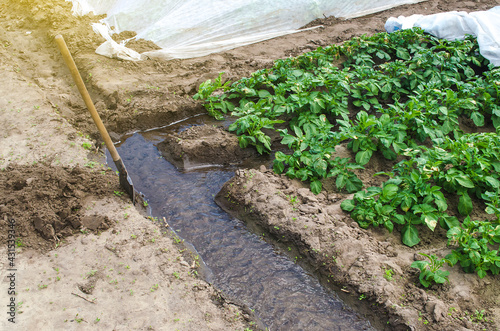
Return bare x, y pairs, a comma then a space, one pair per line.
125, 181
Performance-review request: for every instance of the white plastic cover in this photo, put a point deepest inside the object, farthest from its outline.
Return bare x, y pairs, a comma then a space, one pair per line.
192, 28
484, 25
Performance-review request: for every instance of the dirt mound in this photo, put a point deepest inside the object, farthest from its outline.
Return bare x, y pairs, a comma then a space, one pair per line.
203, 145
46, 202
371, 268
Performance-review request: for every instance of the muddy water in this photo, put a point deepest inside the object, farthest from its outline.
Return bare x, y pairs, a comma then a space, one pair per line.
243, 265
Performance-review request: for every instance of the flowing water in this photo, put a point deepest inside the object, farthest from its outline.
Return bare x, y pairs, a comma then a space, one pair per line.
242, 265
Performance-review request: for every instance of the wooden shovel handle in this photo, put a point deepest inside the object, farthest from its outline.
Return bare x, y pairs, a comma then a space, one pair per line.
86, 97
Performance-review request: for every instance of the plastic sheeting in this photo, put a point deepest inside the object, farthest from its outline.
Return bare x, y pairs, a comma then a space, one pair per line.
484, 25
192, 28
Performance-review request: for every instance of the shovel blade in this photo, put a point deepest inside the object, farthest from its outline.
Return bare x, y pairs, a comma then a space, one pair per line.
125, 181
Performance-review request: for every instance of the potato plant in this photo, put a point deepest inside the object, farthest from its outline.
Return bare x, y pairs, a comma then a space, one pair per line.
402, 95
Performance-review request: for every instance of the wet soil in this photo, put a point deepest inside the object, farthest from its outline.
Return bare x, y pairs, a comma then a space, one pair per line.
45, 121
47, 202
187, 151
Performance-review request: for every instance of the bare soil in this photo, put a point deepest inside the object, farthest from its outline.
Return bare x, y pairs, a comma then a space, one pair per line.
47, 202
204, 145
82, 249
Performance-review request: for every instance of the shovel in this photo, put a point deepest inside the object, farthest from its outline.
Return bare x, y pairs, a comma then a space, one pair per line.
125, 180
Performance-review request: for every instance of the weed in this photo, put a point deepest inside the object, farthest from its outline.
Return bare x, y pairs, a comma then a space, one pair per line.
78, 319
478, 315
292, 199
91, 164
87, 145
388, 274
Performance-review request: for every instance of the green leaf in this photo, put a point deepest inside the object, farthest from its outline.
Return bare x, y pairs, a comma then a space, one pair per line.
469, 72
302, 174
464, 181
348, 205
353, 184
421, 265
430, 220
402, 53
389, 226
280, 156
465, 204
363, 157
496, 121
245, 140
316, 186
410, 235
389, 192
454, 232
438, 276
448, 222
386, 88
400, 219
399, 146
320, 167
475, 257
341, 181
481, 273
440, 201
452, 258
264, 94
496, 166
266, 140
424, 281
278, 167
493, 182
478, 118
388, 154
386, 210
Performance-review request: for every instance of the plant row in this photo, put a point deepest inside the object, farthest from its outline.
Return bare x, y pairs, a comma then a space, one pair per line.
404, 96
